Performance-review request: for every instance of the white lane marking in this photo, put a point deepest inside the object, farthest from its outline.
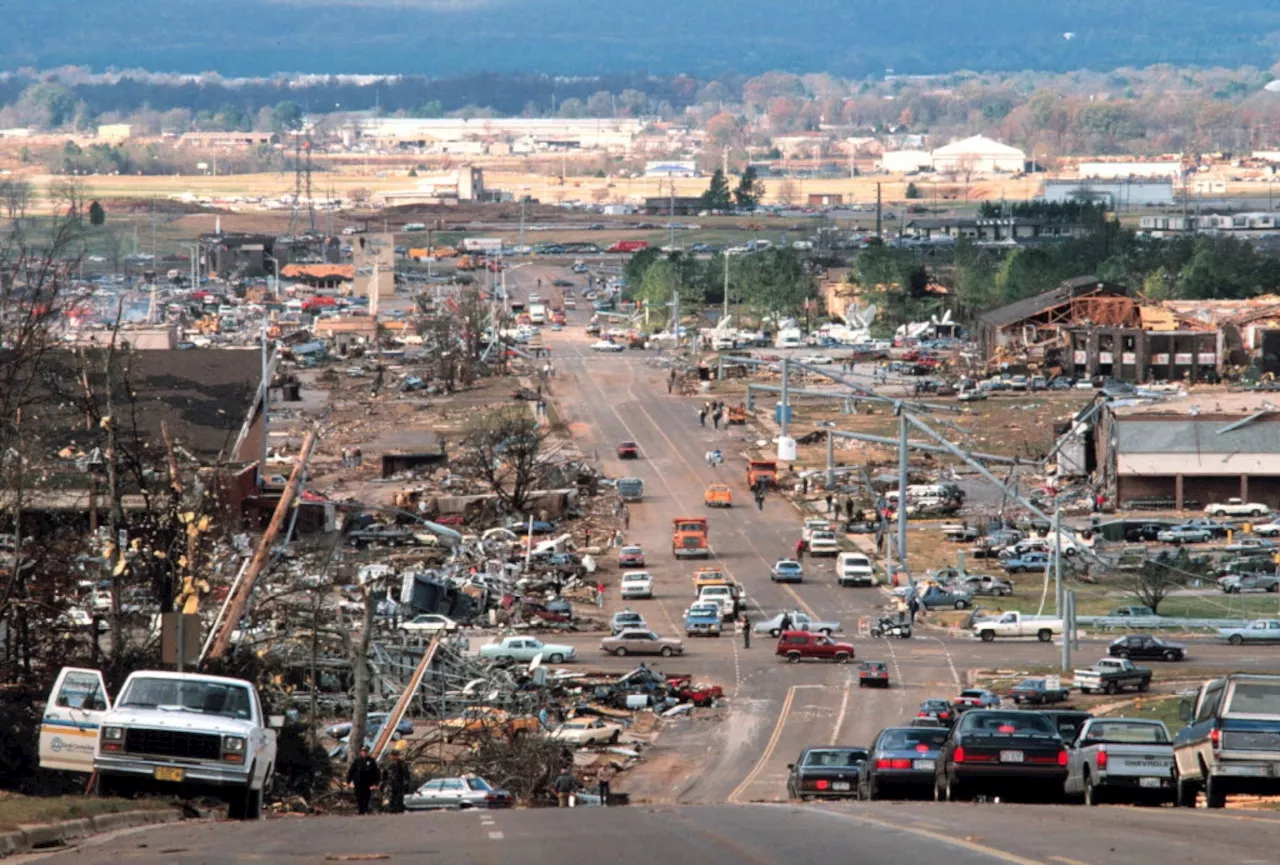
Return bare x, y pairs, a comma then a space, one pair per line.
496, 836
950, 663
943, 837
844, 707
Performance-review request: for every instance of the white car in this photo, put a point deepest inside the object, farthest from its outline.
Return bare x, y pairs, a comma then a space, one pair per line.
636, 584
1267, 530
587, 731
814, 524
824, 544
1237, 508
534, 297
428, 623
606, 345
816, 360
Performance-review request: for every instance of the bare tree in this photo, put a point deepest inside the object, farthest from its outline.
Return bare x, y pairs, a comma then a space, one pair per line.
15, 193
1158, 579
510, 450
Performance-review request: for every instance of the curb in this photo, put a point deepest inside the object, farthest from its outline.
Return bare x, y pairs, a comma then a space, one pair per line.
37, 836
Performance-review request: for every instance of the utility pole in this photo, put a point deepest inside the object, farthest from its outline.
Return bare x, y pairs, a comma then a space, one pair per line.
1059, 604
878, 212
671, 215
266, 406
902, 486
726, 286
522, 222
785, 412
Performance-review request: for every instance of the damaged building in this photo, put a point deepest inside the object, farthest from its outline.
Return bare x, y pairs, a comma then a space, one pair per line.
1191, 451
1088, 327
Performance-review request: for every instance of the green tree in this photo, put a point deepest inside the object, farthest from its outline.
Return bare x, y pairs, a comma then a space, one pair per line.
750, 191
717, 196
286, 116
913, 191
771, 284
97, 215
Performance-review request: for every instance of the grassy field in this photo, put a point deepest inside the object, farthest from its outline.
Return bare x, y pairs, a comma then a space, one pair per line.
1151, 708
17, 810
1100, 600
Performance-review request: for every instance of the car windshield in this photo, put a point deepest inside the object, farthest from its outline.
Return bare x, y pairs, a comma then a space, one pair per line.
209, 698
836, 758
1255, 698
478, 784
972, 693
1006, 724
1031, 684
908, 739
1122, 732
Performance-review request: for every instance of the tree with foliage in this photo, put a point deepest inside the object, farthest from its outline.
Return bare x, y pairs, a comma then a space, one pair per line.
511, 452
771, 284
286, 116
913, 192
717, 196
97, 215
750, 191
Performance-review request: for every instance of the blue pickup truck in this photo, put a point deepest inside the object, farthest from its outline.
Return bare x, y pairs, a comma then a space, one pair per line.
703, 620
1231, 743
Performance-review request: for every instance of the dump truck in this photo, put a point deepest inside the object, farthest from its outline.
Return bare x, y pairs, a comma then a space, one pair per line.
689, 537
762, 471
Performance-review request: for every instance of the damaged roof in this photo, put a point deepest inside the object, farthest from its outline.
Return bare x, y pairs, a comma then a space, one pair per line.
1081, 286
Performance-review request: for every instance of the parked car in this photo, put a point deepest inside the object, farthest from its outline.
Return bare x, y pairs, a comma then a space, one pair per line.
373, 724
1121, 759
1236, 508
1260, 631
641, 642
901, 759
587, 731
814, 524
976, 698
936, 597
1184, 535
1037, 692
1234, 584
628, 451
796, 646
1267, 530
459, 792
825, 772
1014, 624
985, 584
1146, 647
631, 556
873, 674
606, 345
626, 620
386, 535
525, 649
786, 571
854, 569
428, 623
799, 622
1032, 561
636, 584
938, 711
997, 752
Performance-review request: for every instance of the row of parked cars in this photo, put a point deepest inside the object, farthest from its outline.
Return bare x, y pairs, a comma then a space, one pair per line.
973, 747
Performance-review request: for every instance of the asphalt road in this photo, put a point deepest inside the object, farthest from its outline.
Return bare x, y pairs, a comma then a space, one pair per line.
886, 834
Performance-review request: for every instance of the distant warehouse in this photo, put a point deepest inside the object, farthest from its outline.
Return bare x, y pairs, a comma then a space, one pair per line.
1116, 194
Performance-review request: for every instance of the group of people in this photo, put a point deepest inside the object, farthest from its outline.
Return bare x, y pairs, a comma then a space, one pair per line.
713, 409
352, 457
365, 776
715, 458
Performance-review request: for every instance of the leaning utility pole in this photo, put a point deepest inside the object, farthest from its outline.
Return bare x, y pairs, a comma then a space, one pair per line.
879, 236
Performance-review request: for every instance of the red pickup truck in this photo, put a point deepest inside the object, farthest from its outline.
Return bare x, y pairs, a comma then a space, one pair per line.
797, 645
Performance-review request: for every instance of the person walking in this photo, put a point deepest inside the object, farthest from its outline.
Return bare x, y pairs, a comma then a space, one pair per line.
760, 500
671, 381
829, 500
626, 518
603, 777
397, 781
746, 631
586, 536
711, 462
363, 776
913, 607
564, 786
784, 624
702, 417
599, 594
848, 508
800, 550
718, 457
715, 418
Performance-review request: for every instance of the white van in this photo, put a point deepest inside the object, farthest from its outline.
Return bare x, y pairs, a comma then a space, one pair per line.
854, 569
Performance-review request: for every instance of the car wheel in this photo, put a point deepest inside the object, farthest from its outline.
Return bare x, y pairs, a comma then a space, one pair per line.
1274, 587
1235, 639
873, 790
939, 794
953, 791
621, 651
557, 658
1045, 635
1110, 688
1119, 653
666, 652
613, 739
960, 605
794, 657
842, 657
1092, 796
1215, 793
775, 633
1171, 656
988, 636
1185, 793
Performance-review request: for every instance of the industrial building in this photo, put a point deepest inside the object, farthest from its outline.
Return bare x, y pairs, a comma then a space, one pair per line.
991, 229
1116, 194
1190, 451
978, 155
452, 187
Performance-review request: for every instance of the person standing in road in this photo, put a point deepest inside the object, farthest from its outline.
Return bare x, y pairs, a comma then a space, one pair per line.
746, 631
829, 500
564, 786
848, 508
702, 417
397, 780
784, 624
800, 550
913, 607
760, 500
599, 594
626, 518
363, 776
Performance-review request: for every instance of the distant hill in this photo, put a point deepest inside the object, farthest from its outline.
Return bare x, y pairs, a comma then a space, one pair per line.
578, 37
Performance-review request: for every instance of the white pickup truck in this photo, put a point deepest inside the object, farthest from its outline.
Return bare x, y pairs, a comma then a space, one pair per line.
1236, 508
1129, 759
1017, 625
194, 733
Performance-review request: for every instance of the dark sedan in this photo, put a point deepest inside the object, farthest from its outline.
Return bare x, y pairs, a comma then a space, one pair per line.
996, 752
938, 711
901, 759
1146, 647
628, 451
1037, 691
873, 674
826, 773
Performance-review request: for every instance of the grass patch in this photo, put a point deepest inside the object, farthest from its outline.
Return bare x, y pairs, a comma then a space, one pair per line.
1151, 708
16, 810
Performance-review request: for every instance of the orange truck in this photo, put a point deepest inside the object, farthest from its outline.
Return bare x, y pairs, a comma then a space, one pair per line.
765, 471
689, 537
